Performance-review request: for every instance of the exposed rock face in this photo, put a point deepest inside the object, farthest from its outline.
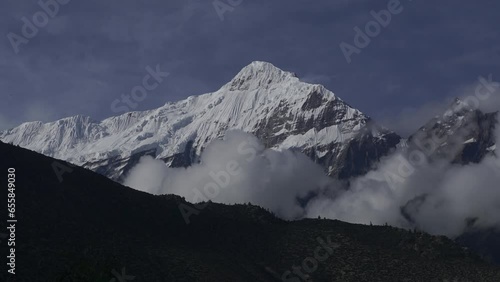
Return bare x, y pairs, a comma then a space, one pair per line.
274, 105
462, 135
483, 138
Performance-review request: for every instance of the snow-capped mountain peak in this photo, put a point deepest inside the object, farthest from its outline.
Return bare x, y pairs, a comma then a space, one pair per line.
261, 99
259, 74
458, 108
462, 134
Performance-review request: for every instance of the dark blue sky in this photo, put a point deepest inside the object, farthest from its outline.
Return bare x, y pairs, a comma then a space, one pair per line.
93, 51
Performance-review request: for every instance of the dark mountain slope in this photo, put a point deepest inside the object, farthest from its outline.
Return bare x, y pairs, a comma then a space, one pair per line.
83, 228
463, 135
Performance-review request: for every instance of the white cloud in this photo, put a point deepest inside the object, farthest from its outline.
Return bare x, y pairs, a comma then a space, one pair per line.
437, 197
237, 169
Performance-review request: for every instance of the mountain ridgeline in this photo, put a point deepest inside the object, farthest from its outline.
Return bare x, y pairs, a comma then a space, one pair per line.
261, 99
274, 105
81, 226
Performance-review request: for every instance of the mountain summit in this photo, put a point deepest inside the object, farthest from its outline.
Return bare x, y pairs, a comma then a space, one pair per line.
259, 74
274, 105
463, 134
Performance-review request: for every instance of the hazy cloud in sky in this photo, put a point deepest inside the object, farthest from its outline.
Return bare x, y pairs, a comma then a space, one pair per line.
482, 94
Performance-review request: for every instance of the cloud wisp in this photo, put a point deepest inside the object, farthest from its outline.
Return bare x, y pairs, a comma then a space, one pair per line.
437, 196
237, 169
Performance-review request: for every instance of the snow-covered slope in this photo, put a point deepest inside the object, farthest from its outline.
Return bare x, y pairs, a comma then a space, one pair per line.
462, 134
274, 105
